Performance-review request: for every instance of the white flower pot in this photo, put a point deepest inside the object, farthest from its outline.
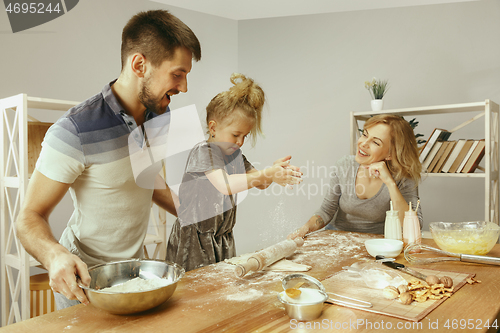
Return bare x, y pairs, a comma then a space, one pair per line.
377, 104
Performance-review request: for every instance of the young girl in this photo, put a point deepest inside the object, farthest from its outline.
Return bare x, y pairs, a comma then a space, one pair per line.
215, 171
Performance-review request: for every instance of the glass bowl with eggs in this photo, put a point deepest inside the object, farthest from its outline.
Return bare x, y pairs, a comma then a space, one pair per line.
476, 237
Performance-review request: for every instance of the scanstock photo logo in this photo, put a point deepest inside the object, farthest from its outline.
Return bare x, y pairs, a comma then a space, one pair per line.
25, 15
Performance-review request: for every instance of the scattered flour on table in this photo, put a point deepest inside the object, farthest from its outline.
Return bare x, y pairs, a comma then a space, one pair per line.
321, 250
351, 284
137, 284
225, 286
245, 296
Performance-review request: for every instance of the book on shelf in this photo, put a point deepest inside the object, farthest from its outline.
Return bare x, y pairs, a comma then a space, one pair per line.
437, 157
476, 157
466, 158
430, 157
460, 156
453, 155
448, 148
438, 134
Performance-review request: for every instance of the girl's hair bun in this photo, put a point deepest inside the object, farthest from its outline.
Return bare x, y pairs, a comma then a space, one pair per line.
245, 97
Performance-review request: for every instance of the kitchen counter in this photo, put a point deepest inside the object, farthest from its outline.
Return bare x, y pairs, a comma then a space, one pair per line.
212, 299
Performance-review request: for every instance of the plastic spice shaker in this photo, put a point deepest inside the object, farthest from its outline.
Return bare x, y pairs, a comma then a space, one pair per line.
411, 228
392, 227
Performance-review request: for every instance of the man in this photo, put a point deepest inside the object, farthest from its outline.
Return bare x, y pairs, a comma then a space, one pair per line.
86, 152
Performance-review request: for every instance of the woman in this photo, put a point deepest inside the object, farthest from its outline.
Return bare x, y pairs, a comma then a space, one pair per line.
386, 168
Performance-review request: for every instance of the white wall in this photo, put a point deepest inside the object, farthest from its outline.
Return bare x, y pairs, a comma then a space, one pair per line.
313, 70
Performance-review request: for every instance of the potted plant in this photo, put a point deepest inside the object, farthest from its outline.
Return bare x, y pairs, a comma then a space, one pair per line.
378, 89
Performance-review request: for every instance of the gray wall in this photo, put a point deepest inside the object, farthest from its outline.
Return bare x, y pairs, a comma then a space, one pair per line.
312, 68
75, 55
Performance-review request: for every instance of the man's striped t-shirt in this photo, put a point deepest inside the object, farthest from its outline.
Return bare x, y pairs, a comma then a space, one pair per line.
88, 148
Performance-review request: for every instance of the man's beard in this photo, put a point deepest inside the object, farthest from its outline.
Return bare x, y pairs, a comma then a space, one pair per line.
148, 100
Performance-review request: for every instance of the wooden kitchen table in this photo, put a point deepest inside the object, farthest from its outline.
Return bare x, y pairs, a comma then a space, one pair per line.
212, 299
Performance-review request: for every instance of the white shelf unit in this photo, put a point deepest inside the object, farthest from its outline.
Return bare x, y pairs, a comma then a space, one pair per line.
486, 110
19, 149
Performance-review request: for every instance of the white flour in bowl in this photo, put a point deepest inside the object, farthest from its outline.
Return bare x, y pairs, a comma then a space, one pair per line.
137, 285
307, 296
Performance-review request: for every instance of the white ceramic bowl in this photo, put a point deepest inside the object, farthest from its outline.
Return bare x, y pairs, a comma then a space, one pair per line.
389, 248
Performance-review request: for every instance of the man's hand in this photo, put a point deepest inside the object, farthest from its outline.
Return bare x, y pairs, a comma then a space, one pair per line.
63, 270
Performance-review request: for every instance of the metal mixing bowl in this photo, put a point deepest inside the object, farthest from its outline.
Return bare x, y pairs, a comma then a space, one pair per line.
465, 237
119, 272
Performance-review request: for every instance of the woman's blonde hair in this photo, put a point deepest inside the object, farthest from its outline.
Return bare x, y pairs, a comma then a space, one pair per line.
245, 96
404, 162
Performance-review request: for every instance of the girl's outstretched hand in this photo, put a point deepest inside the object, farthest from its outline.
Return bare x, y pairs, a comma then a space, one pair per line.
284, 174
283, 159
287, 159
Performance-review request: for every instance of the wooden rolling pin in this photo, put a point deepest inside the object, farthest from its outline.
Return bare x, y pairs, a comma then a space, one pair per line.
268, 256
